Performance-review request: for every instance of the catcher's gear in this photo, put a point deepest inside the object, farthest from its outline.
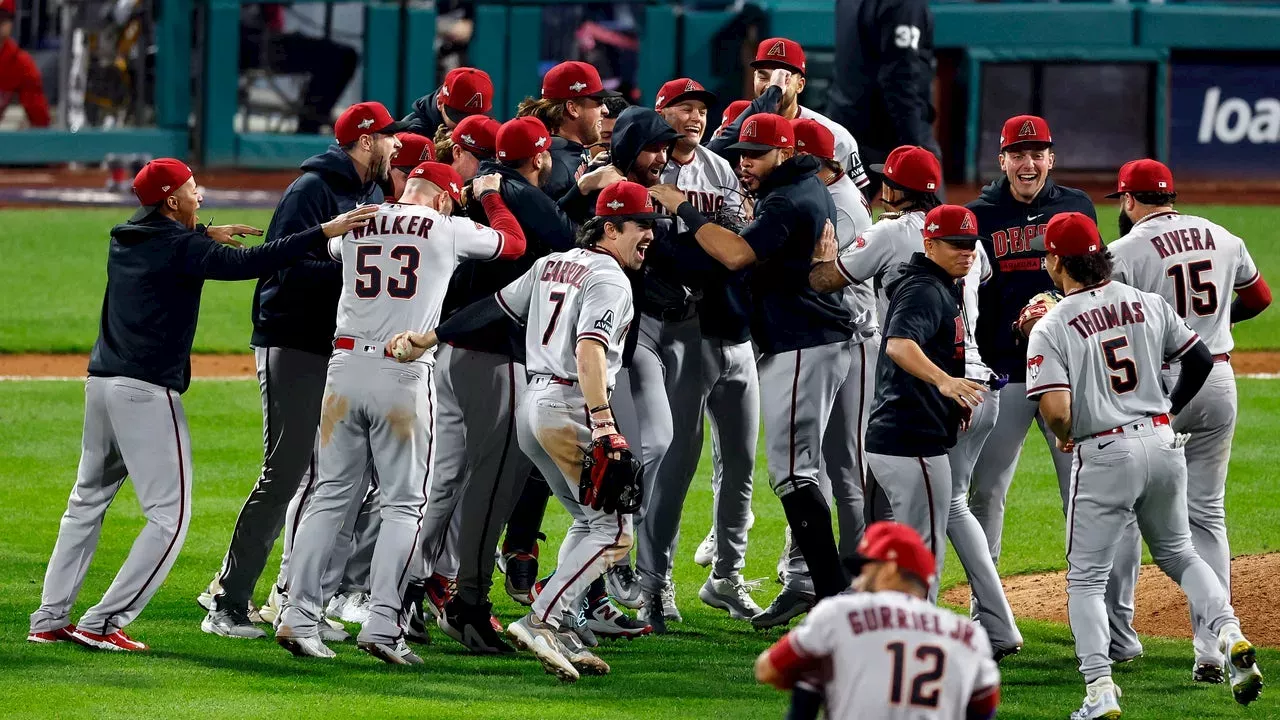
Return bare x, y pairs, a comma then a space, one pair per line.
608, 484
1036, 307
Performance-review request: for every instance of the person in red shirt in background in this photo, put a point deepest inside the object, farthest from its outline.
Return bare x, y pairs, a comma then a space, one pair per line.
19, 76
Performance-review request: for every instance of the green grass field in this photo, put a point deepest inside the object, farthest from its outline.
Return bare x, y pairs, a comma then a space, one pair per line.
700, 671
55, 272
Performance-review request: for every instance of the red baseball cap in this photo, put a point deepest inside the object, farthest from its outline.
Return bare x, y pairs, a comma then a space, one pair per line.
681, 89
477, 133
814, 138
1143, 176
1024, 129
10, 7
911, 167
522, 138
155, 182
951, 223
627, 200
1072, 234
365, 118
442, 176
468, 90
888, 541
414, 148
779, 53
732, 112
573, 79
765, 131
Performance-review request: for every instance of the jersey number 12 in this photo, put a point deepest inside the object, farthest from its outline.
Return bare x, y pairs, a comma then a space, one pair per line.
924, 690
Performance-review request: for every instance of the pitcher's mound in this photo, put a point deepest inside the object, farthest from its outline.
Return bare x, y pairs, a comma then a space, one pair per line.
1160, 607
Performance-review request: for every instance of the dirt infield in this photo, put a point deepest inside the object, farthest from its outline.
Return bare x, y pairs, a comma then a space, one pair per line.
1161, 609
72, 365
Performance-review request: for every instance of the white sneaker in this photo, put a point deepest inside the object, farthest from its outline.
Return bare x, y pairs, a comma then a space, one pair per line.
1100, 701
333, 631
731, 594
669, 609
302, 645
706, 552
271, 610
539, 638
1241, 663
205, 599
352, 608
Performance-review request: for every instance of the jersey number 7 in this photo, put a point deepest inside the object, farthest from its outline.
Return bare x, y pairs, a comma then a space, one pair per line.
369, 277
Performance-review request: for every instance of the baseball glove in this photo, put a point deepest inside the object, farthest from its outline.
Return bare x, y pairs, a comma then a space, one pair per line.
1036, 307
608, 484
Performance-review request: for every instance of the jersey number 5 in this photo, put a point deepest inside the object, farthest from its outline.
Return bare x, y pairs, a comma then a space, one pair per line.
369, 277
1125, 377
924, 690
1190, 288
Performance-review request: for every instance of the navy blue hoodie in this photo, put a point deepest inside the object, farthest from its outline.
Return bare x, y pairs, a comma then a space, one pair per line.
910, 417
297, 307
425, 117
156, 270
1013, 236
567, 157
791, 207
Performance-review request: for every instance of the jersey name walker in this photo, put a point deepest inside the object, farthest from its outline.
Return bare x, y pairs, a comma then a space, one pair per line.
896, 657
395, 270
1105, 344
565, 297
1193, 264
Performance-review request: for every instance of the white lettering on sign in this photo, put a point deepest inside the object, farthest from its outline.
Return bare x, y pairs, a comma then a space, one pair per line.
1232, 120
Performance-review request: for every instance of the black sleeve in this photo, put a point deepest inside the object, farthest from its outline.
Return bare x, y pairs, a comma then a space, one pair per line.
474, 318
546, 222
903, 73
301, 209
766, 103
576, 206
915, 313
681, 257
202, 257
1197, 363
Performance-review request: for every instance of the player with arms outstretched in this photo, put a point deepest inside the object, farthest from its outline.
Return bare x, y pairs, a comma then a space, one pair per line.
887, 652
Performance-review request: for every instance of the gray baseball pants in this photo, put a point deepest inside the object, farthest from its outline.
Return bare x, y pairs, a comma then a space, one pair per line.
372, 405
1210, 418
917, 493
1117, 480
131, 428
992, 476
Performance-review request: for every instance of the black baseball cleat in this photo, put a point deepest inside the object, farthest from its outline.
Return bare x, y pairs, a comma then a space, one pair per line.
470, 625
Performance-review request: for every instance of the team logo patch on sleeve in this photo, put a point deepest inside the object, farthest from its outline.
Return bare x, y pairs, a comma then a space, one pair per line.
605, 322
1033, 367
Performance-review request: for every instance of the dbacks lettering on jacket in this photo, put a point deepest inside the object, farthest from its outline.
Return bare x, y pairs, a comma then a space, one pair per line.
1018, 240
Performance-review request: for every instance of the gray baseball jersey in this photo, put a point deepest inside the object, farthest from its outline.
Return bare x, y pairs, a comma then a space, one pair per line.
1105, 344
566, 297
1194, 264
708, 181
846, 146
853, 219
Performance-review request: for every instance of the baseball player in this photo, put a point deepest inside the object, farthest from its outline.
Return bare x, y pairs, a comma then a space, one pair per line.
465, 91
779, 79
1013, 212
293, 316
576, 308
700, 373
886, 651
472, 141
801, 333
393, 277
134, 423
1093, 365
572, 107
911, 175
1194, 265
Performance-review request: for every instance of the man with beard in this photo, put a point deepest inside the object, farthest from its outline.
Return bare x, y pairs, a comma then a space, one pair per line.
801, 333
466, 91
294, 312
1013, 213
572, 107
779, 76
716, 372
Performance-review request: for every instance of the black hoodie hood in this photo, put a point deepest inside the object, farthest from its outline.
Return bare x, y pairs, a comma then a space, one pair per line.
338, 172
636, 128
152, 227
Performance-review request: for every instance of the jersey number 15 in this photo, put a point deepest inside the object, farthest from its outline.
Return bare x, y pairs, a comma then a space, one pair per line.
1191, 290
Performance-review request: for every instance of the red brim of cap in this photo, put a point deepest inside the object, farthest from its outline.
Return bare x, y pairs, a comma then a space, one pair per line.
774, 64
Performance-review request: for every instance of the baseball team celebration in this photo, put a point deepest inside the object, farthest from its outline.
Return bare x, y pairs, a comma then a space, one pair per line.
612, 360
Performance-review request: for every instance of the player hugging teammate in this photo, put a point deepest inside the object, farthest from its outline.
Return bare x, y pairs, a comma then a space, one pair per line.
552, 307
